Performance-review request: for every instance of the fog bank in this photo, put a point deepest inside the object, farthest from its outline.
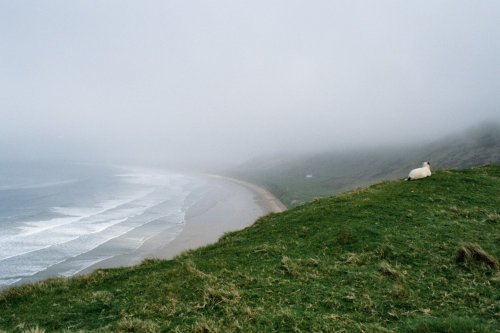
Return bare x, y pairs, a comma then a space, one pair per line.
198, 83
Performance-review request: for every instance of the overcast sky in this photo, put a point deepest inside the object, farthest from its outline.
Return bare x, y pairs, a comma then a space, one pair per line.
205, 81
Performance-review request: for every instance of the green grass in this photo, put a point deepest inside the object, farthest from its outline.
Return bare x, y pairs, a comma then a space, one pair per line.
389, 258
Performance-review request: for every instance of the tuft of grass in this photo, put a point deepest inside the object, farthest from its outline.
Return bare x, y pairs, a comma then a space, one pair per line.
219, 296
448, 325
386, 269
471, 255
35, 329
206, 326
288, 266
135, 325
493, 218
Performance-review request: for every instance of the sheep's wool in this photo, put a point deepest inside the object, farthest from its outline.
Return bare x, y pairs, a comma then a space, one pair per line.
424, 171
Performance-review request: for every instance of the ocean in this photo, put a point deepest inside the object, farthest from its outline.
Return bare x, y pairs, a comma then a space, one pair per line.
58, 219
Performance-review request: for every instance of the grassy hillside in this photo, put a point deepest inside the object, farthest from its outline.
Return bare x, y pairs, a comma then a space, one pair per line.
334, 172
398, 256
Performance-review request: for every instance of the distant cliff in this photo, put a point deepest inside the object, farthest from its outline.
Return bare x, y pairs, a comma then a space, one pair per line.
296, 179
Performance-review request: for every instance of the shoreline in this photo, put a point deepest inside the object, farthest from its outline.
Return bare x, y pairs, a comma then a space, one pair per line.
205, 228
269, 200
205, 223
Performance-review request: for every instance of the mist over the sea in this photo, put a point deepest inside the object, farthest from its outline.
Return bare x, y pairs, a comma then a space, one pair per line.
194, 83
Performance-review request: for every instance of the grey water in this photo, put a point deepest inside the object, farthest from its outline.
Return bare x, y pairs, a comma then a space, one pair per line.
63, 218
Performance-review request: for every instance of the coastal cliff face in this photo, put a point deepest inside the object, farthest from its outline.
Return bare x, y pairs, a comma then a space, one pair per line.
395, 257
296, 179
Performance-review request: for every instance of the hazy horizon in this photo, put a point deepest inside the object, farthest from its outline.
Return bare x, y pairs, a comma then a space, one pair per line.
202, 83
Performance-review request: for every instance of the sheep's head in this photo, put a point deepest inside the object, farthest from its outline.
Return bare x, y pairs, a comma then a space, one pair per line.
426, 164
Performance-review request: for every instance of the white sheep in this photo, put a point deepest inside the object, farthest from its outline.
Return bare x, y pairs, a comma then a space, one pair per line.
424, 171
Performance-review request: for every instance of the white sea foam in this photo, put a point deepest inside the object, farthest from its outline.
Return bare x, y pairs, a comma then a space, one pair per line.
25, 186
38, 235
56, 254
43, 237
35, 246
75, 214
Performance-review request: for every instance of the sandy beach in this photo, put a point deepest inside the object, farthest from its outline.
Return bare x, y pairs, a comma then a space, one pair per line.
233, 212
233, 205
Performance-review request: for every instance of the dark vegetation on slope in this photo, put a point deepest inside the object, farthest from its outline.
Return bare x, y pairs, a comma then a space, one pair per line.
335, 172
398, 256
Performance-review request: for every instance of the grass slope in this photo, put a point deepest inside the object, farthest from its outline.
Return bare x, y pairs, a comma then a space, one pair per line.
335, 172
382, 259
